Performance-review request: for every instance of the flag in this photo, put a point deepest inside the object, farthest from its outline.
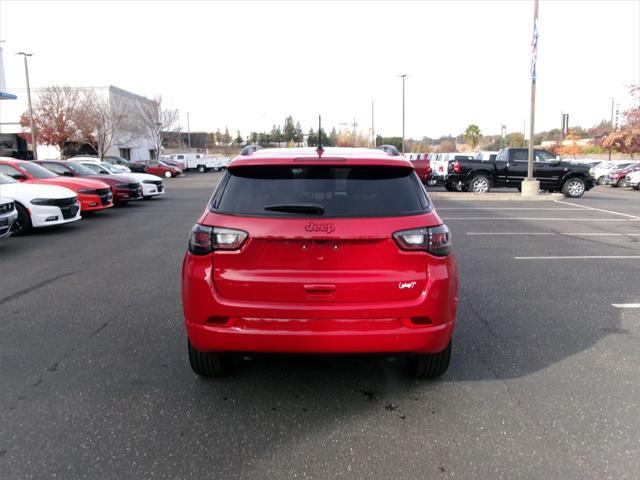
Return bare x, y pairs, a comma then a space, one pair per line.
534, 50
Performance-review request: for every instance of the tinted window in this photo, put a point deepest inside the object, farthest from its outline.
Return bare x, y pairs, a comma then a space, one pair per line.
5, 180
10, 171
520, 155
37, 171
342, 191
54, 167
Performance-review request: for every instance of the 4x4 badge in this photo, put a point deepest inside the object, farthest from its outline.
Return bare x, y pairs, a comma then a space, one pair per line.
320, 227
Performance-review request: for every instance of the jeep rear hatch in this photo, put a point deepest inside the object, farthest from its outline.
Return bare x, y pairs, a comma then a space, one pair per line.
320, 233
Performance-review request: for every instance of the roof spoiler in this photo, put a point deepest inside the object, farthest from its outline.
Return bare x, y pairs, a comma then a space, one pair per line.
250, 149
389, 150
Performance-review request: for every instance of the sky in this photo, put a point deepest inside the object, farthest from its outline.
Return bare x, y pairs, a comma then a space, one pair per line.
247, 65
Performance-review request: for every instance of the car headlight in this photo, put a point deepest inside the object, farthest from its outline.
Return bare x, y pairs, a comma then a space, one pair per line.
44, 201
7, 207
87, 190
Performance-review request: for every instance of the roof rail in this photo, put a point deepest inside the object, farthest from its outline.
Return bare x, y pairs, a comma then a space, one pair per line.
250, 149
389, 150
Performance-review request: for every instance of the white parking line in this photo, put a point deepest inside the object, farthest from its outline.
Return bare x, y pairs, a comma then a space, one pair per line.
557, 209
509, 233
581, 257
626, 305
546, 219
598, 209
568, 234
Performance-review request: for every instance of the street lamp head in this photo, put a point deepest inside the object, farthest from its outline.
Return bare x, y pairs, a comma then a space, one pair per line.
25, 54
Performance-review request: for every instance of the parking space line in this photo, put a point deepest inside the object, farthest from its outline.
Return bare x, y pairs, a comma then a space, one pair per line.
546, 219
582, 257
556, 209
568, 234
510, 233
626, 305
598, 209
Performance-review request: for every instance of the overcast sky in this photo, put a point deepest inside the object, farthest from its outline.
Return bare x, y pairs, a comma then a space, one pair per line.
247, 65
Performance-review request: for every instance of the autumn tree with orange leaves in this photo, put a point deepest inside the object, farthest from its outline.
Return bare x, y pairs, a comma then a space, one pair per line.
626, 139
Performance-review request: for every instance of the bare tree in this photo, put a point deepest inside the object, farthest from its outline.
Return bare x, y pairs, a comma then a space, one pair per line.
102, 121
152, 122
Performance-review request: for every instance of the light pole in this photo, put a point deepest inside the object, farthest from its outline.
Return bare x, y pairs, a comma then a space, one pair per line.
529, 185
188, 131
403, 76
33, 132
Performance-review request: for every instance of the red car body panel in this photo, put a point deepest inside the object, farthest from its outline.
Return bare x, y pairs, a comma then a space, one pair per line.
321, 285
161, 170
88, 202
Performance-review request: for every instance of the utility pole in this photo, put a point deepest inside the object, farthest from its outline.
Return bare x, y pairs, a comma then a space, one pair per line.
188, 131
403, 76
355, 138
530, 186
33, 132
373, 132
612, 102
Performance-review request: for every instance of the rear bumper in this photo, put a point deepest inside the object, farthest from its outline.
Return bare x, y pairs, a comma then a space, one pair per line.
286, 336
222, 325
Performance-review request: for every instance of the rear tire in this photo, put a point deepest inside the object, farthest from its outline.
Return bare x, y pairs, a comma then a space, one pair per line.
573, 188
432, 365
480, 184
207, 364
23, 224
600, 180
450, 187
621, 184
202, 168
167, 174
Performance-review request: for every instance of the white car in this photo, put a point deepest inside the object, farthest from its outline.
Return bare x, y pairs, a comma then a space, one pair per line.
8, 215
39, 205
633, 180
152, 186
118, 168
603, 169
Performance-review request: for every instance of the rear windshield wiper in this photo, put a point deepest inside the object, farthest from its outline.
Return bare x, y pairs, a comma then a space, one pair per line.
296, 208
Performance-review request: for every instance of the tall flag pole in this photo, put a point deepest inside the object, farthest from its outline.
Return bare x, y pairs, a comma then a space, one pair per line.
534, 59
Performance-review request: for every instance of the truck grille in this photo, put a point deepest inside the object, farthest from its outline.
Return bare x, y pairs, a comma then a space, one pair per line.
105, 195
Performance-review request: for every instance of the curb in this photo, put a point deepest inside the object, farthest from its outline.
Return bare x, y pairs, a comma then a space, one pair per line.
497, 197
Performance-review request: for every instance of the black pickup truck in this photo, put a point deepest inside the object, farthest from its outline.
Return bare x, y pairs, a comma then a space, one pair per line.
510, 167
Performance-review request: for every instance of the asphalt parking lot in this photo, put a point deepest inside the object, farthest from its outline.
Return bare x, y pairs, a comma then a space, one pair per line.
544, 381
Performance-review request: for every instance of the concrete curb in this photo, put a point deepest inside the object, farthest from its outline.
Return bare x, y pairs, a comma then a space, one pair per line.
495, 196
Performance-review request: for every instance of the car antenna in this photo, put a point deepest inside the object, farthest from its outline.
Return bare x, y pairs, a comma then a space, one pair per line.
320, 150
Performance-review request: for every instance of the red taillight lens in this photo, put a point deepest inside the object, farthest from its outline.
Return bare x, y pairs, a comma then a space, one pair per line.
205, 239
456, 167
435, 240
200, 240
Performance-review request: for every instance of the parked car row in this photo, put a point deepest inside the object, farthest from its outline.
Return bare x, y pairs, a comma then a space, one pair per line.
617, 174
43, 193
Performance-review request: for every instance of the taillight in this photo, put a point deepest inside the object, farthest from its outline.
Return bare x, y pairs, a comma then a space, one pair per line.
435, 240
456, 167
205, 239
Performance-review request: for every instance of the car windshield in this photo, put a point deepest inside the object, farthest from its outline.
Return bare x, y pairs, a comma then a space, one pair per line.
332, 191
36, 170
108, 167
4, 179
80, 169
94, 167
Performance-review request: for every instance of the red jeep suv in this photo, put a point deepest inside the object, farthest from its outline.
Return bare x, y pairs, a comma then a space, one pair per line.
320, 251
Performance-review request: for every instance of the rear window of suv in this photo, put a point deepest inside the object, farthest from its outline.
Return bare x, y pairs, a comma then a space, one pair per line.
340, 191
